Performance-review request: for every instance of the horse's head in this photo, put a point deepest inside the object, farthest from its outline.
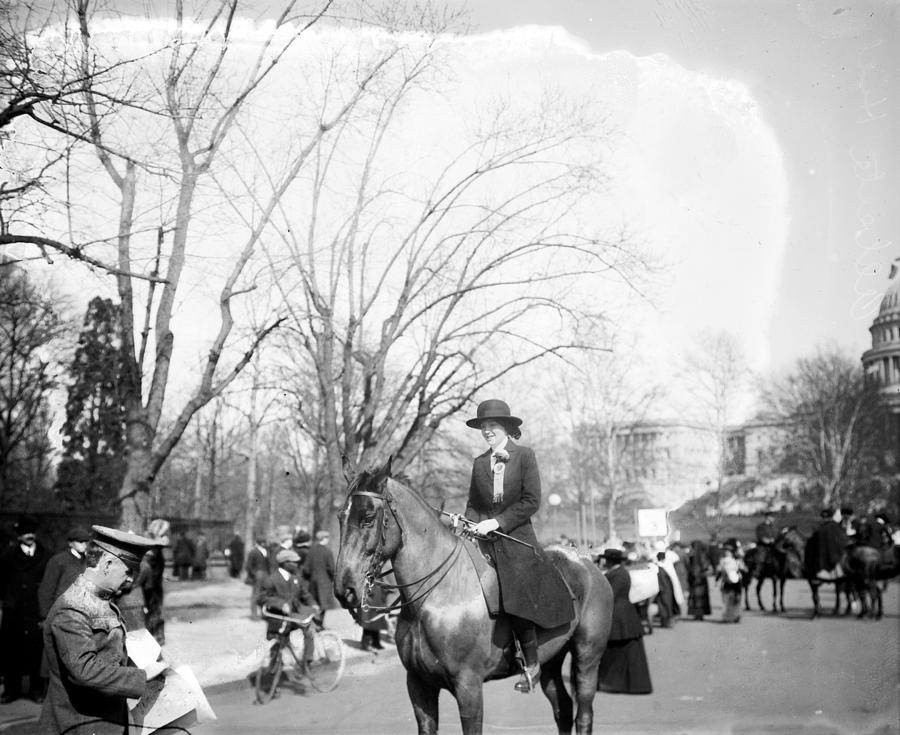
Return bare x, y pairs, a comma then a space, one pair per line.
370, 534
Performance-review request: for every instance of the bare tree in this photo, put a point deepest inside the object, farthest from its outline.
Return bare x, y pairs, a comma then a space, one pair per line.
605, 397
413, 291
837, 422
164, 133
715, 374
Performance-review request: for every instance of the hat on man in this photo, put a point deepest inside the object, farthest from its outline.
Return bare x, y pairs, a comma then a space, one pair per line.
287, 555
495, 409
614, 556
25, 525
302, 538
78, 533
127, 546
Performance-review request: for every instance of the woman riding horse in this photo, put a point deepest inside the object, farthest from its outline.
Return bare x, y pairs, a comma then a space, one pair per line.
504, 492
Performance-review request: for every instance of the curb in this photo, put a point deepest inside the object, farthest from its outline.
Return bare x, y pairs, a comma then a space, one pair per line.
233, 685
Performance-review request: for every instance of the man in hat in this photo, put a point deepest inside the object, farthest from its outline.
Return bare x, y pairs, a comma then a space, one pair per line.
90, 679
21, 569
319, 570
825, 548
257, 570
284, 592
63, 568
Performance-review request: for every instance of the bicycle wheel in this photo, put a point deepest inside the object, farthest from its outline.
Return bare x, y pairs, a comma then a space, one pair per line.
269, 674
326, 666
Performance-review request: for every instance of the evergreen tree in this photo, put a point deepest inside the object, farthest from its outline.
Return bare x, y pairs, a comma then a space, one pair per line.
93, 464
31, 330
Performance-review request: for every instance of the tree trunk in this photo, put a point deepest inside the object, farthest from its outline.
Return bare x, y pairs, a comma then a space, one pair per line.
250, 514
138, 473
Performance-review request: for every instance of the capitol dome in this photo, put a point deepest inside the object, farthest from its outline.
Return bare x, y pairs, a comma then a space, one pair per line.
881, 363
890, 303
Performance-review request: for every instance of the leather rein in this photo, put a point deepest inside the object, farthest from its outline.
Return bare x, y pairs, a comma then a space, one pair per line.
374, 573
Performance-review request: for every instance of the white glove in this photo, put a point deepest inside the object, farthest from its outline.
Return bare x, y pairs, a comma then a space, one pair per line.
483, 528
454, 520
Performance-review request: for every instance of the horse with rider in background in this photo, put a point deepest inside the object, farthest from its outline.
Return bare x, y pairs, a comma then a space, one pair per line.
855, 568
780, 560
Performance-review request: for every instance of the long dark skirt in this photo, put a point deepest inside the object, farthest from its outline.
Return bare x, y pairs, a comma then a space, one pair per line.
698, 599
623, 668
731, 598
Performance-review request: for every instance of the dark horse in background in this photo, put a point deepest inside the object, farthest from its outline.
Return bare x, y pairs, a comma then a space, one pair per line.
446, 637
779, 562
862, 568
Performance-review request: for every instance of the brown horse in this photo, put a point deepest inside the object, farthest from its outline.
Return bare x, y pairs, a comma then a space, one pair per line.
446, 637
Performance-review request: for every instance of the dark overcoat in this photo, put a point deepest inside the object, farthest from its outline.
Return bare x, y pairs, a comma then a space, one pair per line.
61, 571
276, 591
825, 548
530, 587
21, 641
626, 623
90, 678
319, 570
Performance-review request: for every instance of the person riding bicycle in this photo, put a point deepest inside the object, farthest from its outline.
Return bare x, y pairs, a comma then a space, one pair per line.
284, 592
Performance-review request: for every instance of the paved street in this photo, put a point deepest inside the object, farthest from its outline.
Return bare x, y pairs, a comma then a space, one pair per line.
780, 674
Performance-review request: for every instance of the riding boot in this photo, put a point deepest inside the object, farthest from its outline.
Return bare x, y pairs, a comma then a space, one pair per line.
527, 638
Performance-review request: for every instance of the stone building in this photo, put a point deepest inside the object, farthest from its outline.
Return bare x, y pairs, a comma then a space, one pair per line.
882, 362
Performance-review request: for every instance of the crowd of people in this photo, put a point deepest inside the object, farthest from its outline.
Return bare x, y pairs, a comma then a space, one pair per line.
63, 634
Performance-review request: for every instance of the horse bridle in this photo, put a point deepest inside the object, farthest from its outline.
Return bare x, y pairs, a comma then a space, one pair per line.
373, 574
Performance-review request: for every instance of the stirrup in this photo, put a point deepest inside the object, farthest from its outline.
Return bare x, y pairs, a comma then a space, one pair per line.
528, 682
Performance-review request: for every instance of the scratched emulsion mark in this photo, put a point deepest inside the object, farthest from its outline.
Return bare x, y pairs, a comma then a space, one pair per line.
870, 174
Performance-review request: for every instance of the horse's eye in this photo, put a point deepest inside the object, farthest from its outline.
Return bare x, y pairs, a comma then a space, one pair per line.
368, 518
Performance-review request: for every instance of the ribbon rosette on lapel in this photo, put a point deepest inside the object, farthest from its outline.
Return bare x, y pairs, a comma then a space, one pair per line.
500, 457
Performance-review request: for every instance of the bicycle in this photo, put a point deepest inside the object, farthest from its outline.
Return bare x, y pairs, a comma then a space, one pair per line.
323, 667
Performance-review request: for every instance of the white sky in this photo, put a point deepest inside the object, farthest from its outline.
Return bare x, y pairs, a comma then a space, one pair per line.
757, 153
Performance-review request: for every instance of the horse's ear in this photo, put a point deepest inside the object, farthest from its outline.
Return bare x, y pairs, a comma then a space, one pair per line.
348, 468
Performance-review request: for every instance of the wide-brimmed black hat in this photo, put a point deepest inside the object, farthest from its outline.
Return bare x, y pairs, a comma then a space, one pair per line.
614, 556
495, 409
129, 547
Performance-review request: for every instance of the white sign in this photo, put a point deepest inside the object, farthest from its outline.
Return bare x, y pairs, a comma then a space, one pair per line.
652, 522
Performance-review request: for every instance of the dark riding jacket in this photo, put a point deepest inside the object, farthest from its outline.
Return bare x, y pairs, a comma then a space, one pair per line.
530, 587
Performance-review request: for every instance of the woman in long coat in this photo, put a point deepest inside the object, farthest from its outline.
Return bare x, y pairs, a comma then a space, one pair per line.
698, 570
623, 667
504, 492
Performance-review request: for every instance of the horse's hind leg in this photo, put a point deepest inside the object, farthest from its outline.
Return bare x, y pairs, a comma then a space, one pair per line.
781, 595
424, 699
759, 584
554, 689
585, 670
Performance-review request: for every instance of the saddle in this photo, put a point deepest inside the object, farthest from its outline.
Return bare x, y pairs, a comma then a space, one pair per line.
487, 576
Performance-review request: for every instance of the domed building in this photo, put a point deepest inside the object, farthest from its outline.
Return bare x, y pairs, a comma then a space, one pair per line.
882, 362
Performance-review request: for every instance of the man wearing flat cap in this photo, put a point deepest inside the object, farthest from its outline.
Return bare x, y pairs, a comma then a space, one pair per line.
284, 592
90, 678
21, 569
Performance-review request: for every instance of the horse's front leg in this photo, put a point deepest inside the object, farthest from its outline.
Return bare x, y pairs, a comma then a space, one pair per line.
759, 584
814, 591
424, 699
470, 700
781, 594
